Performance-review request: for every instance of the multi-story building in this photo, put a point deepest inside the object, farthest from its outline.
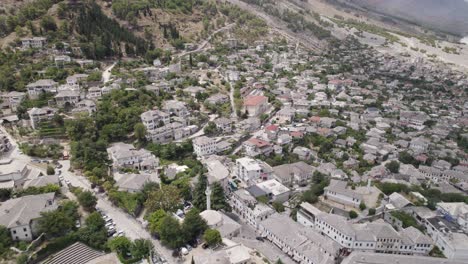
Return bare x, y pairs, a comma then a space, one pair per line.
203, 146
41, 86
295, 173
176, 107
377, 236
455, 212
255, 105
449, 238
248, 208
21, 215
304, 245
35, 42
338, 192
255, 146
75, 80
13, 99
126, 155
251, 171
413, 119
224, 124
38, 115
67, 97
155, 118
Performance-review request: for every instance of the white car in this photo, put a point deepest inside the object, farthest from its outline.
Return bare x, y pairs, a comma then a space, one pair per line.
121, 233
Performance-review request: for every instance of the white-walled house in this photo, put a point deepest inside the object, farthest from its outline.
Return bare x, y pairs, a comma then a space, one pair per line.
203, 146
126, 155
41, 86
20, 215
338, 192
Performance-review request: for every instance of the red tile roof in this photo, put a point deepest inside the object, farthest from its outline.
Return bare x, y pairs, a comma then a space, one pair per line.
315, 119
258, 142
297, 134
272, 128
254, 100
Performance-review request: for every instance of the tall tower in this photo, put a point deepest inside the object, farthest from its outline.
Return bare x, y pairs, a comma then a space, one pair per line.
208, 198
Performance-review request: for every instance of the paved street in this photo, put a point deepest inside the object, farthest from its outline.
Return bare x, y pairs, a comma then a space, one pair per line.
132, 228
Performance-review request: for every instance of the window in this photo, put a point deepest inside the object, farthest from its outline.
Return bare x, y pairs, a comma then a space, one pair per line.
14, 231
24, 229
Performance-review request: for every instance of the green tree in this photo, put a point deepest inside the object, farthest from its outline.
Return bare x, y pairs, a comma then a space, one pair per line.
279, 207
371, 211
70, 209
171, 233
5, 240
140, 132
218, 198
55, 223
193, 225
393, 166
155, 221
22, 259
199, 196
212, 237
353, 214
121, 245
141, 248
94, 233
87, 200
50, 170
48, 23
166, 198
362, 206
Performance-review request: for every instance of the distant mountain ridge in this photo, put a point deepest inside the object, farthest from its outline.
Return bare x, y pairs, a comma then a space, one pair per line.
446, 15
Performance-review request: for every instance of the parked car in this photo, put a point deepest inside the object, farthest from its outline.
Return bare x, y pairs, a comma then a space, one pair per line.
205, 246
261, 239
189, 248
77, 224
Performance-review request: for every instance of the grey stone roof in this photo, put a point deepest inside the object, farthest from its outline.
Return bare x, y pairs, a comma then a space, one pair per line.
20, 211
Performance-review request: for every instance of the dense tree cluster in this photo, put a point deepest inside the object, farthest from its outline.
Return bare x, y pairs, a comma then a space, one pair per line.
103, 36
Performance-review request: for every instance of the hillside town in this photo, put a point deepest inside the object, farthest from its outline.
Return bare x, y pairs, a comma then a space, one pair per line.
237, 152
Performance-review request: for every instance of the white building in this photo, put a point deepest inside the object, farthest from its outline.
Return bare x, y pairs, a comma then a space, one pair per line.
38, 115
35, 42
20, 215
377, 236
378, 258
455, 212
75, 80
255, 105
37, 88
125, 155
13, 99
203, 146
248, 208
251, 171
155, 118
274, 190
304, 245
338, 192
448, 237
